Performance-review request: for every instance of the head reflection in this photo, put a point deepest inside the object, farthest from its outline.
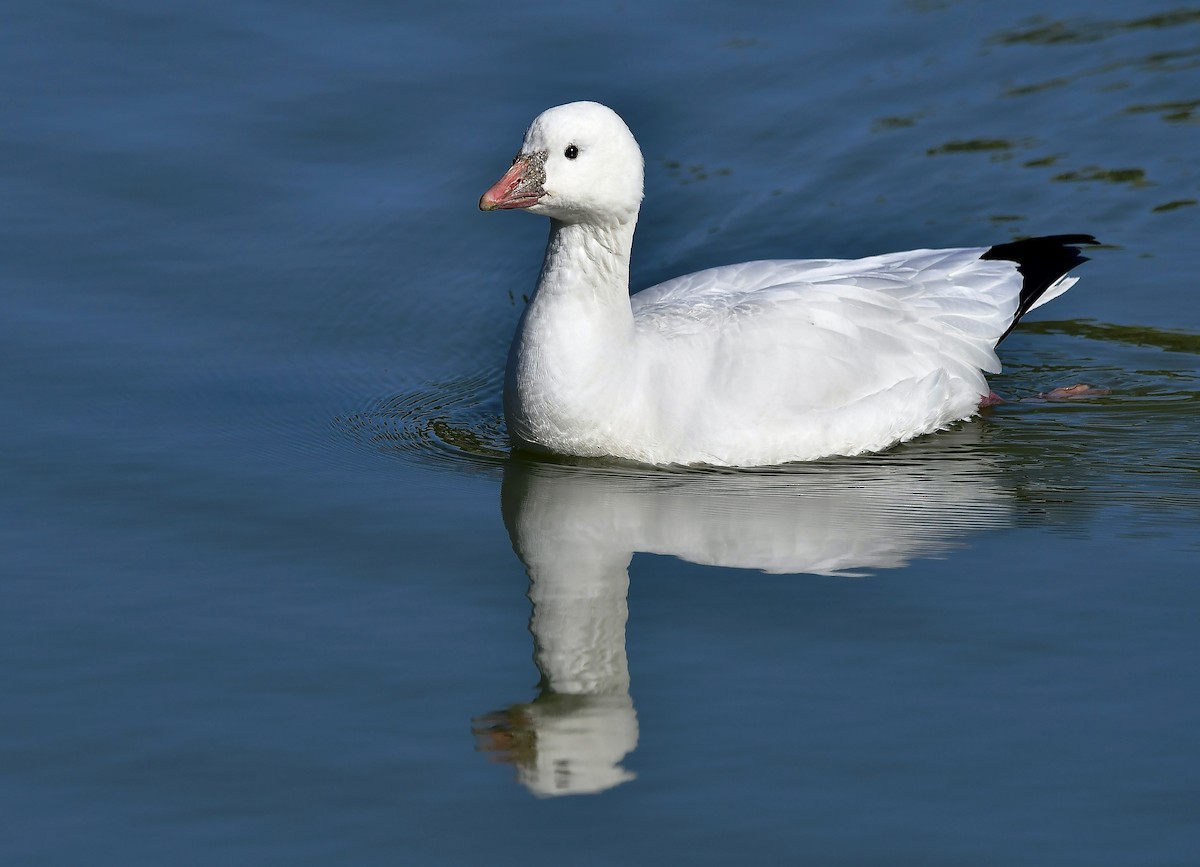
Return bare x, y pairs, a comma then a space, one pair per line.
576, 529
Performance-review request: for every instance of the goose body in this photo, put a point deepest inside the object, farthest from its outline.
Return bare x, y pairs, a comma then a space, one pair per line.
744, 365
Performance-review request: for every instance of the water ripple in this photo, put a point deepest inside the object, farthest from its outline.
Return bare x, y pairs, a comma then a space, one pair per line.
455, 424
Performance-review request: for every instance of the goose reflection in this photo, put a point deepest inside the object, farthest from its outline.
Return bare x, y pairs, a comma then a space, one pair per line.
576, 529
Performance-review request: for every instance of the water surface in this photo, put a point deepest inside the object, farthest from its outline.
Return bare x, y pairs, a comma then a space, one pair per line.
275, 591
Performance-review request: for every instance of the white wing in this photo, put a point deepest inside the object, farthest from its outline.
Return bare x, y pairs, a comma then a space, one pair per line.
947, 295
769, 341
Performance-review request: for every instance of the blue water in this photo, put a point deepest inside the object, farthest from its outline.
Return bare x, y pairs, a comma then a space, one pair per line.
275, 593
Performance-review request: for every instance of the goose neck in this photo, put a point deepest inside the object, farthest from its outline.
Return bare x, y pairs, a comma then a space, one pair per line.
588, 260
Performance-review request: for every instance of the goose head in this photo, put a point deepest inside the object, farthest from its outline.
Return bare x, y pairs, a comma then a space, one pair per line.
579, 163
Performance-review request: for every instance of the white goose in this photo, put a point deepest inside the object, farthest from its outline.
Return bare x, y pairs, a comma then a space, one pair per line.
745, 365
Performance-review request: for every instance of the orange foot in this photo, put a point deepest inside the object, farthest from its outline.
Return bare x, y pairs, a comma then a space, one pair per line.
1068, 392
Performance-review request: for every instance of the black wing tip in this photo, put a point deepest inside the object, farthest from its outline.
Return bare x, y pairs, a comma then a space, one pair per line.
1042, 262
1029, 251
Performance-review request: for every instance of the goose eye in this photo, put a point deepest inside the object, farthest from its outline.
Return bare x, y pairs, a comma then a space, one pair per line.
571, 152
